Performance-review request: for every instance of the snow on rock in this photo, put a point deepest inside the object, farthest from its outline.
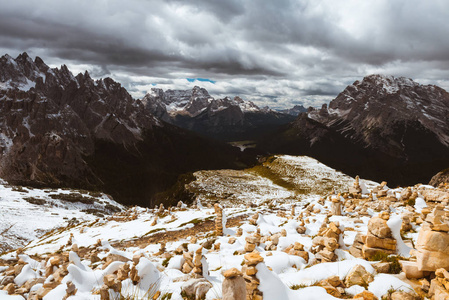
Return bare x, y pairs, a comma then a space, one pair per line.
384, 282
395, 223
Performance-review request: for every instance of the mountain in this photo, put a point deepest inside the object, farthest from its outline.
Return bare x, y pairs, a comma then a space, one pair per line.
384, 128
294, 111
223, 119
58, 129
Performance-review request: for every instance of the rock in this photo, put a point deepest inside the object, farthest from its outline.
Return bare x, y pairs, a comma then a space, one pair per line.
332, 291
104, 292
442, 273
411, 270
196, 288
253, 258
385, 243
433, 250
42, 291
435, 195
358, 276
365, 295
10, 288
335, 281
234, 286
231, 273
369, 253
379, 228
382, 267
7, 280
401, 295
437, 290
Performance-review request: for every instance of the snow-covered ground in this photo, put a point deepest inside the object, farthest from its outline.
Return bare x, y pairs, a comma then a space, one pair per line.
27, 213
144, 232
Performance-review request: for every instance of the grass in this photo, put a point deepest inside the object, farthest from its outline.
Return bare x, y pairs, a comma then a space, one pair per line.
153, 231
166, 261
395, 266
35, 201
303, 285
73, 197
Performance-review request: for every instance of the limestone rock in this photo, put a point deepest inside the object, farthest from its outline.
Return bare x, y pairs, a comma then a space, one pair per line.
379, 228
234, 286
196, 288
358, 276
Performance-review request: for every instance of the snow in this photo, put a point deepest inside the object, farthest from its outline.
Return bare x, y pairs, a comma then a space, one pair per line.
277, 274
384, 282
51, 214
395, 223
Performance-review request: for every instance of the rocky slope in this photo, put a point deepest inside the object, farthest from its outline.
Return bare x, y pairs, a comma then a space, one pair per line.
361, 241
63, 130
224, 119
381, 127
28, 213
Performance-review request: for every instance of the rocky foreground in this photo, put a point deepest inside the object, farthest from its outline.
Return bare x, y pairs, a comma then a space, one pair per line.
359, 241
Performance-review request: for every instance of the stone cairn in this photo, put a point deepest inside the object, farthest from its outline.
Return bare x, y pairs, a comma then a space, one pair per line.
193, 263
381, 190
197, 262
336, 205
356, 191
188, 265
324, 245
252, 241
253, 219
218, 219
433, 241
298, 250
249, 274
233, 286
377, 240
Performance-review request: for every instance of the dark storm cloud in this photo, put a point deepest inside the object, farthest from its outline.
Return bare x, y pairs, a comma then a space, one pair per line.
265, 50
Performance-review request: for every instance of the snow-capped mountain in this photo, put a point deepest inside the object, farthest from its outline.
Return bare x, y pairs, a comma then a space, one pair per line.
63, 130
295, 110
224, 119
389, 127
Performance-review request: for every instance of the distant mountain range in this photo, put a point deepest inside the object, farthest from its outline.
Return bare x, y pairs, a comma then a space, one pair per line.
383, 128
57, 129
223, 119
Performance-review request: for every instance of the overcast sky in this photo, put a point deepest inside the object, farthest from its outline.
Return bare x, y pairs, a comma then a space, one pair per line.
277, 53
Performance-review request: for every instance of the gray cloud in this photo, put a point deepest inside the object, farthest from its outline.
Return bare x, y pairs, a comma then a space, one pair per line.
276, 53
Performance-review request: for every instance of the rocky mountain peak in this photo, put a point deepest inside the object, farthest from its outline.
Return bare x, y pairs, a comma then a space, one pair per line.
381, 120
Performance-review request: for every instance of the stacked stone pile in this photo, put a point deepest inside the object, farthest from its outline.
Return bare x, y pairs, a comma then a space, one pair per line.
324, 245
249, 274
234, 286
433, 241
218, 219
377, 240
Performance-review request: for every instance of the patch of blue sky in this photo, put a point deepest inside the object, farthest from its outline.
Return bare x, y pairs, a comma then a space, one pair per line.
201, 79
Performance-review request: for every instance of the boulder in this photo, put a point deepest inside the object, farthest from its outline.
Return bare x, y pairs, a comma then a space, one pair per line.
196, 288
375, 242
379, 228
358, 275
234, 286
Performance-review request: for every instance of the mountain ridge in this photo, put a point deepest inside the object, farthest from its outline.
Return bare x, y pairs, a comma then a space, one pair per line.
381, 127
57, 127
224, 119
